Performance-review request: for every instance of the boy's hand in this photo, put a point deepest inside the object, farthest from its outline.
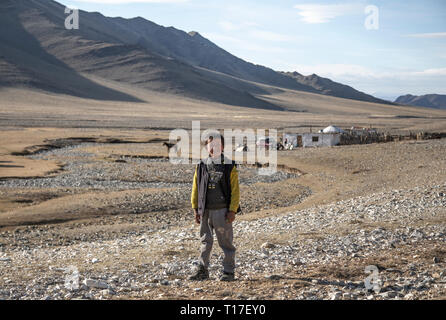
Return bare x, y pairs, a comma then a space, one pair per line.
197, 216
230, 216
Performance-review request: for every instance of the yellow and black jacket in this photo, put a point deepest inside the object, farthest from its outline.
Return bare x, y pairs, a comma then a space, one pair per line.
230, 186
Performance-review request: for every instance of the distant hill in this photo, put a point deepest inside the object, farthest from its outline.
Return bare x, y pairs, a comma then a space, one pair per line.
37, 51
196, 50
436, 101
331, 88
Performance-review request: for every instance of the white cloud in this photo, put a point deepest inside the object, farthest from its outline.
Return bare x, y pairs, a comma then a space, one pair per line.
431, 72
322, 13
428, 35
232, 26
270, 36
251, 24
229, 26
251, 29
132, 1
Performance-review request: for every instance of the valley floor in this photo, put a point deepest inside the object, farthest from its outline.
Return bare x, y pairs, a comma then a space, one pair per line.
118, 214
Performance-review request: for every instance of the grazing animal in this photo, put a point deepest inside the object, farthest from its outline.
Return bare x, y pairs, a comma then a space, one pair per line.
170, 146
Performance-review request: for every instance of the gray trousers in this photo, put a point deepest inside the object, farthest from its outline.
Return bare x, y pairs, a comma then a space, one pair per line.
216, 220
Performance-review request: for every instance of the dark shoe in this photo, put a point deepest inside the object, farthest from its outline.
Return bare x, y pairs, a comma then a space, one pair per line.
227, 276
201, 274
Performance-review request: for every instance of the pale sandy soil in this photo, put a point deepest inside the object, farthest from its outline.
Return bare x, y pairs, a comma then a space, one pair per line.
332, 174
38, 109
70, 219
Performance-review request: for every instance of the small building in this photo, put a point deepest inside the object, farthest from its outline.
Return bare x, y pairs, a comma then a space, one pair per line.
319, 139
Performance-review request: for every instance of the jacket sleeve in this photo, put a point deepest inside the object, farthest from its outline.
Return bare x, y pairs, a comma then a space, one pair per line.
235, 191
194, 195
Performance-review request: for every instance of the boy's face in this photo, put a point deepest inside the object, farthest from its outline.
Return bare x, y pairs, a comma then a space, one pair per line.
214, 147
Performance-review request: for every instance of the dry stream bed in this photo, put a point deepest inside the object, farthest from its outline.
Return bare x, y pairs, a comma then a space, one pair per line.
124, 223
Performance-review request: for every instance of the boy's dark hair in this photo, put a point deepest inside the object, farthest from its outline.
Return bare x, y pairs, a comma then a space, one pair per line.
217, 136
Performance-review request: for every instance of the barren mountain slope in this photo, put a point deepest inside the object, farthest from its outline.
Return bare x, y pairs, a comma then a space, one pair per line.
49, 57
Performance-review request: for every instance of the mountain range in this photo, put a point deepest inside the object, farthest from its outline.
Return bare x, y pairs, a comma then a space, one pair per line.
436, 101
37, 51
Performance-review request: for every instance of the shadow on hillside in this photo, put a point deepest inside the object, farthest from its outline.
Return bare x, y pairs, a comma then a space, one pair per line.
46, 72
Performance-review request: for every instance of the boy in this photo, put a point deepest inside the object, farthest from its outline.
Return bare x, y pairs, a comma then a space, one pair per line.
215, 201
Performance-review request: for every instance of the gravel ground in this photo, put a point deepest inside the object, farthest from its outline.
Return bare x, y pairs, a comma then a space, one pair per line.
320, 252
84, 170
92, 172
156, 263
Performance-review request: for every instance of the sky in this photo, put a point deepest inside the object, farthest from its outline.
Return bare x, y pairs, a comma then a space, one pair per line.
382, 47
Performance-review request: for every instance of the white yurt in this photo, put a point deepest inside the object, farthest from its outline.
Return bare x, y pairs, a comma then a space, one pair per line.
332, 129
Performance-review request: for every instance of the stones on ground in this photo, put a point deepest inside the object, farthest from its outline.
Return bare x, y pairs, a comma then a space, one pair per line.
274, 277
407, 205
336, 295
92, 283
89, 295
389, 294
268, 245
348, 296
226, 293
164, 282
108, 292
